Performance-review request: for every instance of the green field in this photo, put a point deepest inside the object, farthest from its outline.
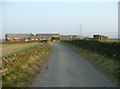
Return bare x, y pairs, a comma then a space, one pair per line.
113, 40
8, 49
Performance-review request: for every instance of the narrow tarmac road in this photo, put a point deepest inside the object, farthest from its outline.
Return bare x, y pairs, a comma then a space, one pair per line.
68, 69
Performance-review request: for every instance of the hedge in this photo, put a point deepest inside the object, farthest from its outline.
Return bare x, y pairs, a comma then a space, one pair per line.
107, 48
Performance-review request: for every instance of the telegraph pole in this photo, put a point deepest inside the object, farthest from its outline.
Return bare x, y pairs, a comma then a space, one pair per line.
80, 31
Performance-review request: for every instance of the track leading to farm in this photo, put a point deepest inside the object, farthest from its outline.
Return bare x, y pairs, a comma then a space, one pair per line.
68, 69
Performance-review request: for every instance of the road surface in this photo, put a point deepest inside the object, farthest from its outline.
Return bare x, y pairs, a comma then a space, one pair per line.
68, 69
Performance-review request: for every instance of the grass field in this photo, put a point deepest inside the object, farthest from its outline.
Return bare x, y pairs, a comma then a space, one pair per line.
113, 40
12, 48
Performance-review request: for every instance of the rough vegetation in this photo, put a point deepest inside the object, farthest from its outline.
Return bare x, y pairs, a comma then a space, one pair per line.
19, 70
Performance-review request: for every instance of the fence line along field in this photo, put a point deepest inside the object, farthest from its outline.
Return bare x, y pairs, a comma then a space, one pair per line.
12, 48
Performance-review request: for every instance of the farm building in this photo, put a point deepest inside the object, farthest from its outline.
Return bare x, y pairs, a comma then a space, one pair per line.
69, 37
48, 35
100, 38
28, 37
16, 37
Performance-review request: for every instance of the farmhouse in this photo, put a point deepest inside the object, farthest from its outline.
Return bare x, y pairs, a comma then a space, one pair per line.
100, 38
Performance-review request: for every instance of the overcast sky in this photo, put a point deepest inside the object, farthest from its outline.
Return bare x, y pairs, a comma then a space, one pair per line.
60, 17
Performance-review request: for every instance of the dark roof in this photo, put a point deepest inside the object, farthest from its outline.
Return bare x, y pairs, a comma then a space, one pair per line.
17, 35
100, 35
47, 34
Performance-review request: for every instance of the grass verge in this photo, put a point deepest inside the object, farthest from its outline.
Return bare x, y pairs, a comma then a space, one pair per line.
109, 67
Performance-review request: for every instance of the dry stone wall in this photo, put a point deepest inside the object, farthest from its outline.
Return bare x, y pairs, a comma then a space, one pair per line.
31, 60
